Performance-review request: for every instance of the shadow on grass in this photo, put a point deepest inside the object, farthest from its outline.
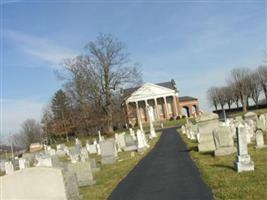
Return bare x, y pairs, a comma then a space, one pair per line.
208, 153
225, 166
195, 149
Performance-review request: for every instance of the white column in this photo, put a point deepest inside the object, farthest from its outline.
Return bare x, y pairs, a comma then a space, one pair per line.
139, 116
156, 107
175, 105
166, 107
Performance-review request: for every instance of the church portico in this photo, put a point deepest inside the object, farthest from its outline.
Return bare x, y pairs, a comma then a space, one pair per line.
162, 98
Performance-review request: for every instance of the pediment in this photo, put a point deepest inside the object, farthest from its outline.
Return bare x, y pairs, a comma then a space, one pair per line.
150, 90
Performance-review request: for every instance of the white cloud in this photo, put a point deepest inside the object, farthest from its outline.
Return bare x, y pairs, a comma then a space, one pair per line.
40, 47
16, 111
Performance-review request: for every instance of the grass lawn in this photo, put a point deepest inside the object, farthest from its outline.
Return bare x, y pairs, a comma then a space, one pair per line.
110, 175
225, 182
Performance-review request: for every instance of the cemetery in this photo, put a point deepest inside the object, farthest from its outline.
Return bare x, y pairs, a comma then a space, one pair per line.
233, 162
77, 169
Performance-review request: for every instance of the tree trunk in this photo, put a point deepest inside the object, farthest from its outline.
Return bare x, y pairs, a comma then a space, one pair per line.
244, 103
265, 93
237, 104
229, 105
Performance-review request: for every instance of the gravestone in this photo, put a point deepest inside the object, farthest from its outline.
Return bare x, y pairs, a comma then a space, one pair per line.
39, 183
151, 120
130, 144
84, 155
2, 165
141, 144
15, 163
224, 141
93, 165
183, 130
51, 152
206, 125
108, 151
100, 138
23, 163
251, 115
259, 139
260, 124
9, 168
91, 148
243, 162
121, 140
83, 173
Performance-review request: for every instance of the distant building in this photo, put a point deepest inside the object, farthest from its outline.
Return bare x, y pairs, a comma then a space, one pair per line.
164, 99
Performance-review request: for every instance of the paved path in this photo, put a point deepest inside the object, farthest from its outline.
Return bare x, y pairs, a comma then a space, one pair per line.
166, 173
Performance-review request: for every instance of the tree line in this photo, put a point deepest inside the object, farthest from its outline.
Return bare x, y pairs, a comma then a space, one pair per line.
243, 85
91, 94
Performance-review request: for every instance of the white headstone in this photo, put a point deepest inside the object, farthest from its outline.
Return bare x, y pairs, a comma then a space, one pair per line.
243, 162
9, 168
260, 139
141, 144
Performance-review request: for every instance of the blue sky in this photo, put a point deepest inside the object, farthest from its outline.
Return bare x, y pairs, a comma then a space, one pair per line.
196, 43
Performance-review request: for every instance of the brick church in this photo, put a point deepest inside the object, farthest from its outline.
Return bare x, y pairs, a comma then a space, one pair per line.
162, 97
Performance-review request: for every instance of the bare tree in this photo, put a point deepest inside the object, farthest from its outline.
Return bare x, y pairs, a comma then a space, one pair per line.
262, 71
98, 75
213, 97
229, 95
255, 87
239, 77
31, 132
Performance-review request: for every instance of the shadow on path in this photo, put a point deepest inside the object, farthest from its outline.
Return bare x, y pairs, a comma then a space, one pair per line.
166, 173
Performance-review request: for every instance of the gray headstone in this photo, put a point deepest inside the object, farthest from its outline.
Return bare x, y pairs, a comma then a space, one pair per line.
224, 141
39, 183
83, 173
108, 151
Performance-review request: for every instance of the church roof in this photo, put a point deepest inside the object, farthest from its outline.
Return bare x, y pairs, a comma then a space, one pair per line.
187, 98
170, 85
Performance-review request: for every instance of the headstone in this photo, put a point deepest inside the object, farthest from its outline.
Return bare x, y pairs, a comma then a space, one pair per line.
94, 165
100, 138
206, 125
51, 152
121, 140
224, 141
23, 163
259, 139
243, 162
108, 151
15, 163
251, 115
183, 130
39, 183
2, 165
9, 168
60, 146
260, 124
151, 120
91, 148
130, 143
84, 155
48, 161
83, 173
60, 153
141, 144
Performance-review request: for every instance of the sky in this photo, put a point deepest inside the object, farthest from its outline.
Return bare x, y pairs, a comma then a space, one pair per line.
196, 43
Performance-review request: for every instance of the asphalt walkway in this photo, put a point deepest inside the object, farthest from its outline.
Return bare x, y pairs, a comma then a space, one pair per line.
166, 173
